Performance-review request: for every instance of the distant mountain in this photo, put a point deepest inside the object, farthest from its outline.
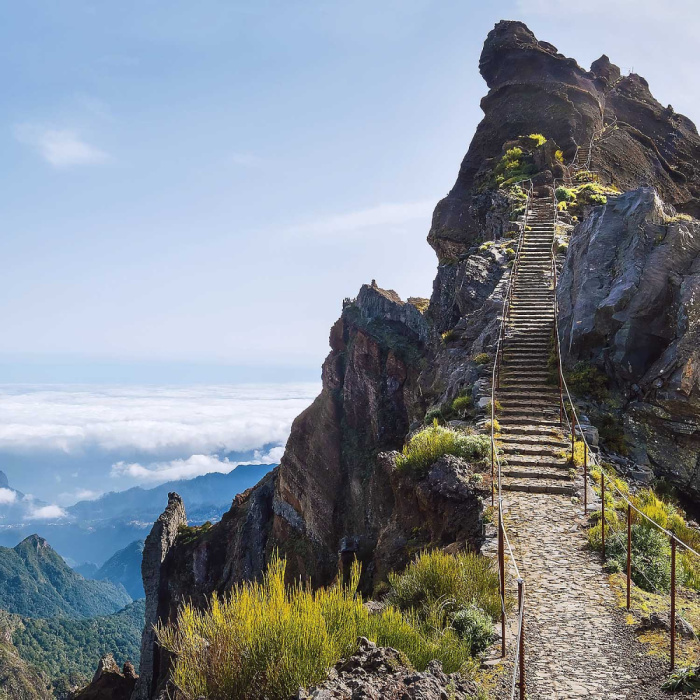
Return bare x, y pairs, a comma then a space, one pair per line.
124, 568
201, 492
94, 530
36, 582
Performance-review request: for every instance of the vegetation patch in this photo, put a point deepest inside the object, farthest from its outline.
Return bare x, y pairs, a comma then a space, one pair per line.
587, 380
265, 639
425, 447
482, 358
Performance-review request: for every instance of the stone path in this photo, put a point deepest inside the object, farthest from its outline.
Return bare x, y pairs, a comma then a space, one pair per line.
577, 644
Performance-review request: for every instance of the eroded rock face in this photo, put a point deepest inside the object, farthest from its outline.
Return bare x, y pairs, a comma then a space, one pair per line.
155, 582
630, 302
379, 673
109, 683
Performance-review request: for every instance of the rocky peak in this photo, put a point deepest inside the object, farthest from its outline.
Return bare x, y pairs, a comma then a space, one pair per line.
4, 483
156, 549
608, 72
109, 683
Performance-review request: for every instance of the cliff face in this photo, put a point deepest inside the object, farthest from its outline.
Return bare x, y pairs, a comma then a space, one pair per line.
629, 304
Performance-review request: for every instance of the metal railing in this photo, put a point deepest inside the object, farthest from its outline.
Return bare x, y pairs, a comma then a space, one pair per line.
518, 678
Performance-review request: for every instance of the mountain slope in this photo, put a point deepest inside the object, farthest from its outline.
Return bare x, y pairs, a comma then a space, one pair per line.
36, 582
66, 649
124, 568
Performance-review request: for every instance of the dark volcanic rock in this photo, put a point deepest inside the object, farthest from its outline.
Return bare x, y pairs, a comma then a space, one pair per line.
109, 683
380, 673
629, 301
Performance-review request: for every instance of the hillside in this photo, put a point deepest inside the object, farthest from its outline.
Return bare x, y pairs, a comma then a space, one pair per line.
66, 650
36, 582
124, 567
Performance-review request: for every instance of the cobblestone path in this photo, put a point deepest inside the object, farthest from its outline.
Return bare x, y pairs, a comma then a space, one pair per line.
577, 643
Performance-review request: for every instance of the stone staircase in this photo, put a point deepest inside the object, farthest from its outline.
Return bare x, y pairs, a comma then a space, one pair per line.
531, 443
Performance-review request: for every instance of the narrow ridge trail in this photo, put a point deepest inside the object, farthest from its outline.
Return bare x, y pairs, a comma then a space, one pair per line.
577, 644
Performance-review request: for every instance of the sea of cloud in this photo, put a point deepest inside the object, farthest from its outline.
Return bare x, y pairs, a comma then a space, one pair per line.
99, 438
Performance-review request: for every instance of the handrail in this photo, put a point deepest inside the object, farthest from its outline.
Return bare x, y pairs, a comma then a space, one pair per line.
504, 540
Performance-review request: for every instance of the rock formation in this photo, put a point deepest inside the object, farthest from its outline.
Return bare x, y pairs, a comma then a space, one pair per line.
376, 672
109, 683
629, 304
158, 545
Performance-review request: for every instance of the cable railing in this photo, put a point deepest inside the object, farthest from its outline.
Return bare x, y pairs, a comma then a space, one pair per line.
504, 544
590, 458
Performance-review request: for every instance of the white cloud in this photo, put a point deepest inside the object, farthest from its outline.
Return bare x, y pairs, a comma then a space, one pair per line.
7, 496
49, 512
163, 421
62, 148
385, 215
247, 160
175, 469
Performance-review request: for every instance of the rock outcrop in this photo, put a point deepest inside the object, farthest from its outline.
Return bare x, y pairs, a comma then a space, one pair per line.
154, 661
629, 298
109, 683
380, 672
535, 89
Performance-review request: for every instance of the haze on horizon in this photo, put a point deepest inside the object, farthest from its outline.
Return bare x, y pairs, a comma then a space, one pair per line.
190, 190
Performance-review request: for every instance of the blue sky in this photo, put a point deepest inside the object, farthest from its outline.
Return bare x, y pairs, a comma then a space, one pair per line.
189, 189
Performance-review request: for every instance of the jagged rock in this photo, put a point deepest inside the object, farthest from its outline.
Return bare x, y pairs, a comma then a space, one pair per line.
382, 673
109, 683
628, 299
662, 621
155, 552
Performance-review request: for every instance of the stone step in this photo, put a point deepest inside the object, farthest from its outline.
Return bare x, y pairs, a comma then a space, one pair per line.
534, 441
532, 431
538, 486
524, 451
541, 473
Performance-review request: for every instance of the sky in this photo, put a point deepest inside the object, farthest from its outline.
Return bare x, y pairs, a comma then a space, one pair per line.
189, 190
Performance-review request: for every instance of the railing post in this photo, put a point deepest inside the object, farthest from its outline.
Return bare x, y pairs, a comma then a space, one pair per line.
561, 391
673, 602
573, 437
502, 576
493, 470
521, 607
629, 553
585, 478
602, 515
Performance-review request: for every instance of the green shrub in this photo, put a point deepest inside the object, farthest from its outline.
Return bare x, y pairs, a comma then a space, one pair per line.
482, 358
684, 680
586, 380
612, 433
474, 627
559, 155
449, 336
510, 253
265, 639
534, 140
462, 405
651, 552
434, 413
496, 426
598, 199
428, 445
451, 582
563, 194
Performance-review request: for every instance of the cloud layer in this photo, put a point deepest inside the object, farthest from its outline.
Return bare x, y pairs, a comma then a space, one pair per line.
61, 148
155, 420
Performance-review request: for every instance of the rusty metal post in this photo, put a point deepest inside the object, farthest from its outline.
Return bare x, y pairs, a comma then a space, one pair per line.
585, 478
629, 553
602, 514
521, 654
493, 471
573, 437
502, 576
673, 602
561, 395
